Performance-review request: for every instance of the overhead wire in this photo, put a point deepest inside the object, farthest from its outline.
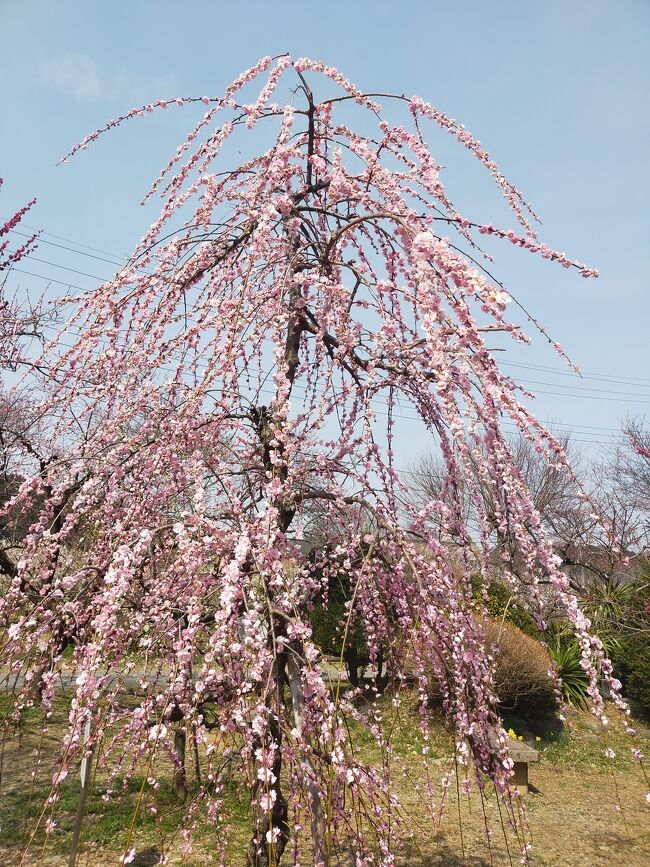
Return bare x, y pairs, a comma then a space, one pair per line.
600, 377
557, 429
621, 398
597, 392
42, 240
121, 260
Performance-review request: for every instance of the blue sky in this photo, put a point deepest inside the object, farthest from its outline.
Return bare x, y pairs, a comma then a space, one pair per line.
557, 92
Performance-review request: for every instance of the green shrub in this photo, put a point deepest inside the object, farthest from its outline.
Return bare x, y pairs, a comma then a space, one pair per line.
567, 656
608, 602
503, 605
633, 668
328, 622
631, 655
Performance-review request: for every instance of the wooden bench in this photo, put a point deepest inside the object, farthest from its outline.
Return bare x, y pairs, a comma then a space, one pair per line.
521, 754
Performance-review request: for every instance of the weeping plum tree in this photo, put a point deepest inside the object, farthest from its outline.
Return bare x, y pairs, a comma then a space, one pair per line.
228, 380
17, 321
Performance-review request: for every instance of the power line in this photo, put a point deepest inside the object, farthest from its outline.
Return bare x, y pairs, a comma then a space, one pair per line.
551, 424
70, 241
608, 377
49, 279
622, 396
558, 428
611, 441
584, 388
591, 397
67, 268
604, 377
205, 365
42, 240
537, 391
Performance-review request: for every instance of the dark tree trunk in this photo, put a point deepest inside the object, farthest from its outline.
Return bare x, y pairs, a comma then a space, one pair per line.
261, 851
353, 662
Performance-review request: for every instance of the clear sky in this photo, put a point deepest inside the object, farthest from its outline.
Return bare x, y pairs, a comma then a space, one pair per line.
556, 90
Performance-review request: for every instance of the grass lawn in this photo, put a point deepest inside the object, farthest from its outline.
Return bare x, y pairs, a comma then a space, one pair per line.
583, 809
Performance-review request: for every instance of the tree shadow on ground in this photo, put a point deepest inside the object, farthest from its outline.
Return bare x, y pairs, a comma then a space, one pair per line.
445, 856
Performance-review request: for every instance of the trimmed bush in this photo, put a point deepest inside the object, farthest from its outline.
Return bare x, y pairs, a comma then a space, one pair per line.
522, 663
328, 626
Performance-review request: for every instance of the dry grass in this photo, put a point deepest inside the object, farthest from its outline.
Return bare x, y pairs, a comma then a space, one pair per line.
572, 814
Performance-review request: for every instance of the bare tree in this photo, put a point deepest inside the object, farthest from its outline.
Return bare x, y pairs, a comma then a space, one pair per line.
598, 521
554, 488
632, 464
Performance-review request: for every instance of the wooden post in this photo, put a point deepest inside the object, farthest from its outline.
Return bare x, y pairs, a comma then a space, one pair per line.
521, 754
520, 778
85, 785
180, 774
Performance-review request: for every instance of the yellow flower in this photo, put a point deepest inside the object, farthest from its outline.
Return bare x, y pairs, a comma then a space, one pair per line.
511, 733
537, 738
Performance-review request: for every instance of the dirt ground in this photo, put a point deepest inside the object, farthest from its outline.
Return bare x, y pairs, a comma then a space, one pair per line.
573, 820
582, 811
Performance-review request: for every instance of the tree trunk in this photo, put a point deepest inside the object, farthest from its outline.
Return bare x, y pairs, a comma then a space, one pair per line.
263, 851
317, 825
